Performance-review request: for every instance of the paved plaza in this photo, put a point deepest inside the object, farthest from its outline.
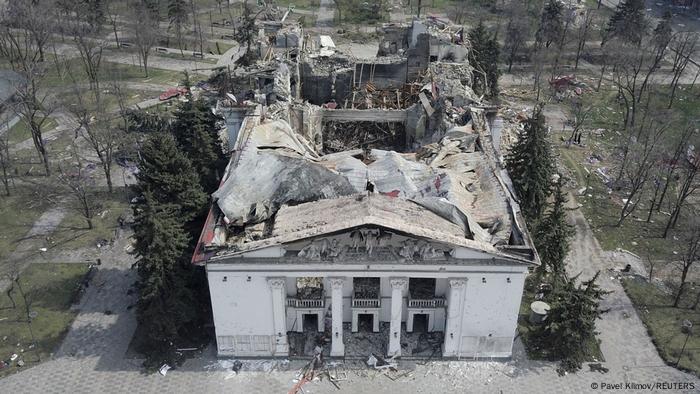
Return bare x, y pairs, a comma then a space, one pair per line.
92, 357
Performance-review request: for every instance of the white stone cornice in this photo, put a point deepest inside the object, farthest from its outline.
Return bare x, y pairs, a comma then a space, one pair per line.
399, 283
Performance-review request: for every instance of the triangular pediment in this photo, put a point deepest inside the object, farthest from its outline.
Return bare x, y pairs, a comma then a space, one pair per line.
373, 243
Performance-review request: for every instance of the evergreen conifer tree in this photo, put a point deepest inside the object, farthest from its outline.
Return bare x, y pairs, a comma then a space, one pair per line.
570, 324
168, 176
483, 57
530, 165
551, 24
628, 22
195, 130
552, 235
165, 301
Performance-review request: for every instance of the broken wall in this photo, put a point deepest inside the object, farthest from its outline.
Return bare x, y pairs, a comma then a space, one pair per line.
382, 75
320, 85
418, 57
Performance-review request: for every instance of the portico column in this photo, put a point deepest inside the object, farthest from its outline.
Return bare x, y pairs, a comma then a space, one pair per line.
398, 285
337, 345
279, 315
455, 308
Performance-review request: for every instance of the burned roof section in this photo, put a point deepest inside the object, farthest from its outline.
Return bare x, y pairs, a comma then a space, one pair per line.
324, 143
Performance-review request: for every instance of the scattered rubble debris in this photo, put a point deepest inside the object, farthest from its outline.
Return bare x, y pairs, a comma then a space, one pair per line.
164, 369
597, 367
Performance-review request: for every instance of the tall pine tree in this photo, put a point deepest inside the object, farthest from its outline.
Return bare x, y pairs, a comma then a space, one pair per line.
483, 57
196, 131
168, 176
165, 304
552, 235
530, 165
570, 326
551, 24
628, 23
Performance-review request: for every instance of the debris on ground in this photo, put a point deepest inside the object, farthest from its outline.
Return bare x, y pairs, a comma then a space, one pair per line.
164, 369
598, 367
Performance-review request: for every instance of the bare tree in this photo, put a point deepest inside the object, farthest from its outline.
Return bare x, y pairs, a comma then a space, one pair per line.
116, 88
80, 188
579, 114
643, 156
517, 32
690, 257
5, 158
177, 15
688, 186
32, 103
145, 30
561, 40
35, 106
113, 14
94, 126
36, 19
87, 38
659, 42
582, 35
683, 46
678, 150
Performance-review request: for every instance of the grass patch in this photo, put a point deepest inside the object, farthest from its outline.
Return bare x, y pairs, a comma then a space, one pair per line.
73, 233
299, 4
361, 12
663, 322
17, 215
50, 291
57, 76
20, 131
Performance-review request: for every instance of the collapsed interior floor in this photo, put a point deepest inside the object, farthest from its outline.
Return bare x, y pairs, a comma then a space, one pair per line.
343, 136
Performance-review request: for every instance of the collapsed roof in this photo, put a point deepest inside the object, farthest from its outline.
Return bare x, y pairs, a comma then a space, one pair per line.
284, 186
280, 184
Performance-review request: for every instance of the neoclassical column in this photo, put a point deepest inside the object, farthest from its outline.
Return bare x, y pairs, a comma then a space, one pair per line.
337, 345
279, 316
455, 308
398, 285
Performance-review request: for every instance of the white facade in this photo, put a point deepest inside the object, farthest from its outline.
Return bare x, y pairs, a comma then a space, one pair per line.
476, 301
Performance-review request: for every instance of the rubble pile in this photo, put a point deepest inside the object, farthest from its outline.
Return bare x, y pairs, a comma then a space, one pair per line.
343, 136
370, 96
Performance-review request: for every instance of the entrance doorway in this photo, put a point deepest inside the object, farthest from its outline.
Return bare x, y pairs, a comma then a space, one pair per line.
420, 322
365, 322
310, 322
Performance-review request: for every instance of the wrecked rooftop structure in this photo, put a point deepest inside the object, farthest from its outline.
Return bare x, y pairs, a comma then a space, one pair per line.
364, 207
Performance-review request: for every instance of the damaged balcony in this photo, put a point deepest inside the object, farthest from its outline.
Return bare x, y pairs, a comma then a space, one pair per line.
308, 306
422, 294
366, 302
422, 305
310, 294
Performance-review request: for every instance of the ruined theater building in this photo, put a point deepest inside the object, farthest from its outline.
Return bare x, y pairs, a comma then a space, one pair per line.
364, 209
